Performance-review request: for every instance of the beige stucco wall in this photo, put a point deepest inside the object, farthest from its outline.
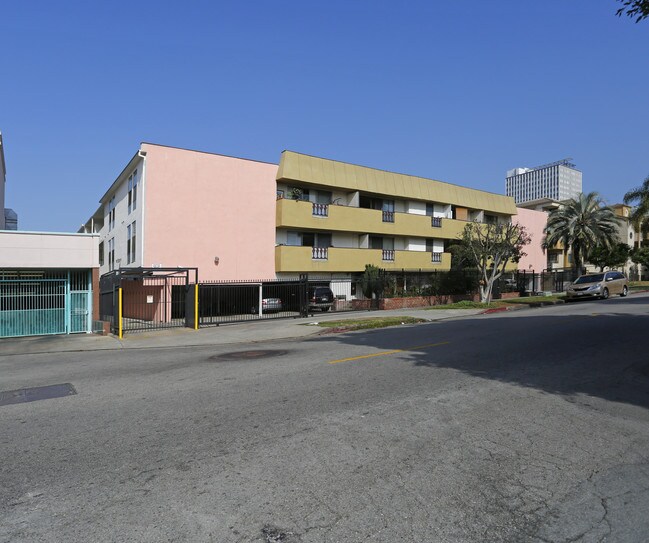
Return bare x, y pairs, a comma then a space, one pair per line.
48, 250
312, 170
199, 206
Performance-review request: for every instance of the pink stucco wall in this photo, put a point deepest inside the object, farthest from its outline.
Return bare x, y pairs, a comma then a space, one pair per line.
198, 206
534, 222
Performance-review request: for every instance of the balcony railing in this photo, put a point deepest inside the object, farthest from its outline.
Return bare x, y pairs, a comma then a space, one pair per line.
436, 257
436, 222
320, 253
388, 216
388, 255
320, 210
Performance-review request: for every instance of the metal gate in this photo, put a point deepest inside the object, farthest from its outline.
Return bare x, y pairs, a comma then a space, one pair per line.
80, 302
224, 302
35, 303
151, 298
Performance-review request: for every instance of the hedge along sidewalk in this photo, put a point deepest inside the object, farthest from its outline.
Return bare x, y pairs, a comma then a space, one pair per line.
532, 301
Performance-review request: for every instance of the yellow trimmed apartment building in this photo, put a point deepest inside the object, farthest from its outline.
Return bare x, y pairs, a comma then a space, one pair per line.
333, 218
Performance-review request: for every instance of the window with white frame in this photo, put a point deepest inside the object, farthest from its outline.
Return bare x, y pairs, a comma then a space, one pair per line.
132, 192
101, 253
111, 254
130, 242
111, 214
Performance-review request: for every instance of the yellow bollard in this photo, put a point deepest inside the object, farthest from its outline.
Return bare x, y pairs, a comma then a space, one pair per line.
120, 331
196, 307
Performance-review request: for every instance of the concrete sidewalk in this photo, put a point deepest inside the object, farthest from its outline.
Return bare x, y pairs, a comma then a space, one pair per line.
244, 332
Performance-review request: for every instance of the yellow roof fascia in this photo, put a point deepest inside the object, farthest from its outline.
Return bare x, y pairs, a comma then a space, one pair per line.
312, 170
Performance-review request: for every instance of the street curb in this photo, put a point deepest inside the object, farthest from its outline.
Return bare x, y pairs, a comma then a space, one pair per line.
495, 310
517, 307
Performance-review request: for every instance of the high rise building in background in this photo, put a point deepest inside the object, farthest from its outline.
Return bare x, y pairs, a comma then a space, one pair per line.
559, 180
3, 178
8, 217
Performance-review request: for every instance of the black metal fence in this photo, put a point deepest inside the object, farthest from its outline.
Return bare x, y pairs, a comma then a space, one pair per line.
154, 298
151, 298
528, 283
223, 302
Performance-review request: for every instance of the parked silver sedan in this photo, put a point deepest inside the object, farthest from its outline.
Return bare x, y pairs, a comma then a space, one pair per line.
598, 285
271, 304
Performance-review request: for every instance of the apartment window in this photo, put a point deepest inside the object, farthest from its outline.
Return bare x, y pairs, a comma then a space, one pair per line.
111, 254
368, 202
309, 239
430, 209
297, 193
378, 242
323, 240
386, 245
101, 253
132, 192
130, 242
111, 214
323, 196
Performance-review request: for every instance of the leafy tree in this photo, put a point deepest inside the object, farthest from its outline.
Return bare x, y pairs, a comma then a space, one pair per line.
460, 255
640, 197
641, 256
634, 8
609, 257
492, 247
372, 281
581, 224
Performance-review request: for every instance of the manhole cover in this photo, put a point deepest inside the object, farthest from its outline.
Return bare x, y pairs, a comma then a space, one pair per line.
34, 394
249, 355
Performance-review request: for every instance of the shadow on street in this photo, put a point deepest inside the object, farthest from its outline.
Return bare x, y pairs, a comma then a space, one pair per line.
602, 354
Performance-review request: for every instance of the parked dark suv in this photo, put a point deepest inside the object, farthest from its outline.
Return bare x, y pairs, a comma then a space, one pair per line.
321, 298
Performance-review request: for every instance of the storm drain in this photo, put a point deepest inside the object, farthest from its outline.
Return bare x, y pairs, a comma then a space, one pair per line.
34, 394
249, 355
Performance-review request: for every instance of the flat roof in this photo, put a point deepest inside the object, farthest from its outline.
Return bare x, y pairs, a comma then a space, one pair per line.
330, 173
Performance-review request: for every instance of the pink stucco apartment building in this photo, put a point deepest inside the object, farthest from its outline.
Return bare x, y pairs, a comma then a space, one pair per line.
236, 219
534, 222
177, 208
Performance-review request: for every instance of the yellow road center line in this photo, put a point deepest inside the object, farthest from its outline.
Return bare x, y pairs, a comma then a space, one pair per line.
385, 353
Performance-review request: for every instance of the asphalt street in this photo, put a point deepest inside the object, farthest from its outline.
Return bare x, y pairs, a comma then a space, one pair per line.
528, 426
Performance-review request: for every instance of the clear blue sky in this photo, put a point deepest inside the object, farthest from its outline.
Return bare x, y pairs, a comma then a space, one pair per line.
456, 91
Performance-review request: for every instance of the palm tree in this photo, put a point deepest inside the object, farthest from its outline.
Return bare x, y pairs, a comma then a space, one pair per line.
640, 214
581, 224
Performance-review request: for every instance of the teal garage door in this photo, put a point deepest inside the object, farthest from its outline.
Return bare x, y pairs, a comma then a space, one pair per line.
41, 303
